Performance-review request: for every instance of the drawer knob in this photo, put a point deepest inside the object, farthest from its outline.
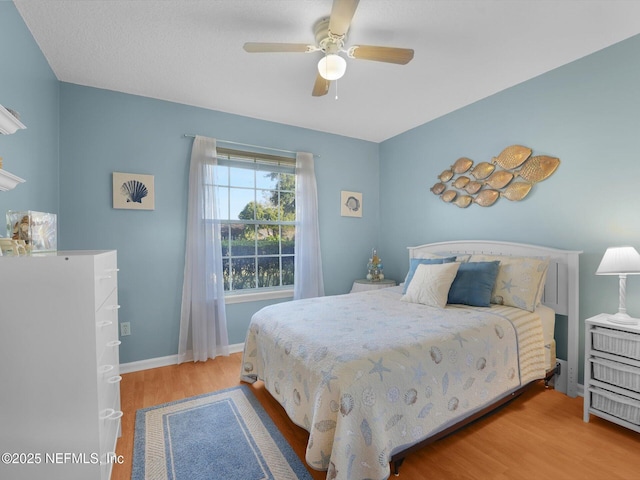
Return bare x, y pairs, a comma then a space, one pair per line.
115, 379
106, 413
104, 277
116, 415
113, 343
103, 323
110, 414
113, 307
105, 368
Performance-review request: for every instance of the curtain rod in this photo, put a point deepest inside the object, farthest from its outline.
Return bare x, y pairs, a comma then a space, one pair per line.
191, 135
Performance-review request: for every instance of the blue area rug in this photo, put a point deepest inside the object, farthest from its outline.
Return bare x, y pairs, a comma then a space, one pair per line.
221, 435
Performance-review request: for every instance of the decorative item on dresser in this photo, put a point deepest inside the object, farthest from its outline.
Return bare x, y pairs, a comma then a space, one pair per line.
612, 371
59, 365
621, 261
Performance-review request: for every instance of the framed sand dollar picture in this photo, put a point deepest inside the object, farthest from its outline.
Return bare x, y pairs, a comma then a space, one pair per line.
350, 204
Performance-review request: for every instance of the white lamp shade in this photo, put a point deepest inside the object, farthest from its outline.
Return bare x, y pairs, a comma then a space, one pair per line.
620, 261
332, 66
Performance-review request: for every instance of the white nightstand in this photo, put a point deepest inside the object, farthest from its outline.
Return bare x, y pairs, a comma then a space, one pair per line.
363, 285
612, 372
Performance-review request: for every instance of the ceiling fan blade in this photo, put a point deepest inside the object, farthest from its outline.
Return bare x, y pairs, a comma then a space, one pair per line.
342, 12
253, 47
401, 56
321, 87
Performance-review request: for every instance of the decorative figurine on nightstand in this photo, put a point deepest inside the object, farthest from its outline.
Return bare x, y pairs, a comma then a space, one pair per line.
374, 267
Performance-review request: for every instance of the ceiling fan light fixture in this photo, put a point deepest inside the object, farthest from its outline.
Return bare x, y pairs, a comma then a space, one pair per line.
332, 66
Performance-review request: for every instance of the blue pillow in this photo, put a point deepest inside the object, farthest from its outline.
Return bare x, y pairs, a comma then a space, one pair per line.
420, 261
474, 283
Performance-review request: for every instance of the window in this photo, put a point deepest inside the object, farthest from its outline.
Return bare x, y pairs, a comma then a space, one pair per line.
256, 204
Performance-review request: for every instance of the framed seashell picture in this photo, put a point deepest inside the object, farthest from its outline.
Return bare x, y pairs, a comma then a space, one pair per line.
133, 191
350, 204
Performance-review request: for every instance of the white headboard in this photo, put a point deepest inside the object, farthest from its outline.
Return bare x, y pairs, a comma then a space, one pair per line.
561, 292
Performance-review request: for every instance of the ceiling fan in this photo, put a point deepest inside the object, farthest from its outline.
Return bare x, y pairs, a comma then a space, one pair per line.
330, 36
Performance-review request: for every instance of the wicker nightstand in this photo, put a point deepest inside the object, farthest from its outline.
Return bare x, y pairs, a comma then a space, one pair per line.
612, 372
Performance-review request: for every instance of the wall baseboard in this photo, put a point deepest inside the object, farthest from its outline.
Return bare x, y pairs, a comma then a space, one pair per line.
166, 361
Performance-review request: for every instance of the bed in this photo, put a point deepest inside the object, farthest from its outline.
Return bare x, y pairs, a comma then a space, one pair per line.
375, 375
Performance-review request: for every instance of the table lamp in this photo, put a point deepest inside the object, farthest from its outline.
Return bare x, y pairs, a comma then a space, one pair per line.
621, 261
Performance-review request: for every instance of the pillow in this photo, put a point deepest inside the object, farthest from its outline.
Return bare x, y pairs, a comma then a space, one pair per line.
474, 283
431, 283
422, 261
520, 280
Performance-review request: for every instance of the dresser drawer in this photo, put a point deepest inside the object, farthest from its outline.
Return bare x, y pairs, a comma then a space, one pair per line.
108, 386
616, 373
620, 406
110, 426
106, 324
106, 272
616, 342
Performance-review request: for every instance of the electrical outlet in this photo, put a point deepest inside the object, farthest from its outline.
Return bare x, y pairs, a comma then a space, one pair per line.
125, 329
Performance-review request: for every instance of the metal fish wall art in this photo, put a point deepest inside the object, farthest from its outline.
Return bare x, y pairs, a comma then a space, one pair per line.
483, 170
485, 183
472, 187
539, 168
448, 196
499, 179
446, 176
438, 188
512, 157
462, 165
516, 191
486, 198
463, 201
461, 182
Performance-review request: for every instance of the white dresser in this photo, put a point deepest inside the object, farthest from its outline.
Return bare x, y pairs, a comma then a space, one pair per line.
59, 366
612, 372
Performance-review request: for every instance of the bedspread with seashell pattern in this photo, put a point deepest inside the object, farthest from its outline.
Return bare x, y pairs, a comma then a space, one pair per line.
368, 375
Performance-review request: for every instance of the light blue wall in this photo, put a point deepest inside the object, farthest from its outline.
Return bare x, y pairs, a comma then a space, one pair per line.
28, 86
103, 132
586, 113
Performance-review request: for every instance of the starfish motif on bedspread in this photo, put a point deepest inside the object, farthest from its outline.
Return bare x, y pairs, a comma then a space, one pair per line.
459, 338
418, 373
327, 377
324, 460
378, 368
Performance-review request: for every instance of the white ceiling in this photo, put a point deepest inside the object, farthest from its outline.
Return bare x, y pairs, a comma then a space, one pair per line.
191, 52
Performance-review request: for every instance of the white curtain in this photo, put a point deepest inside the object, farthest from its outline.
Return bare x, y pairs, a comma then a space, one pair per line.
203, 322
308, 262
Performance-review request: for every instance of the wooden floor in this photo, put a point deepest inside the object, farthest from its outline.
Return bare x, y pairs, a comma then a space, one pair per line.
539, 435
